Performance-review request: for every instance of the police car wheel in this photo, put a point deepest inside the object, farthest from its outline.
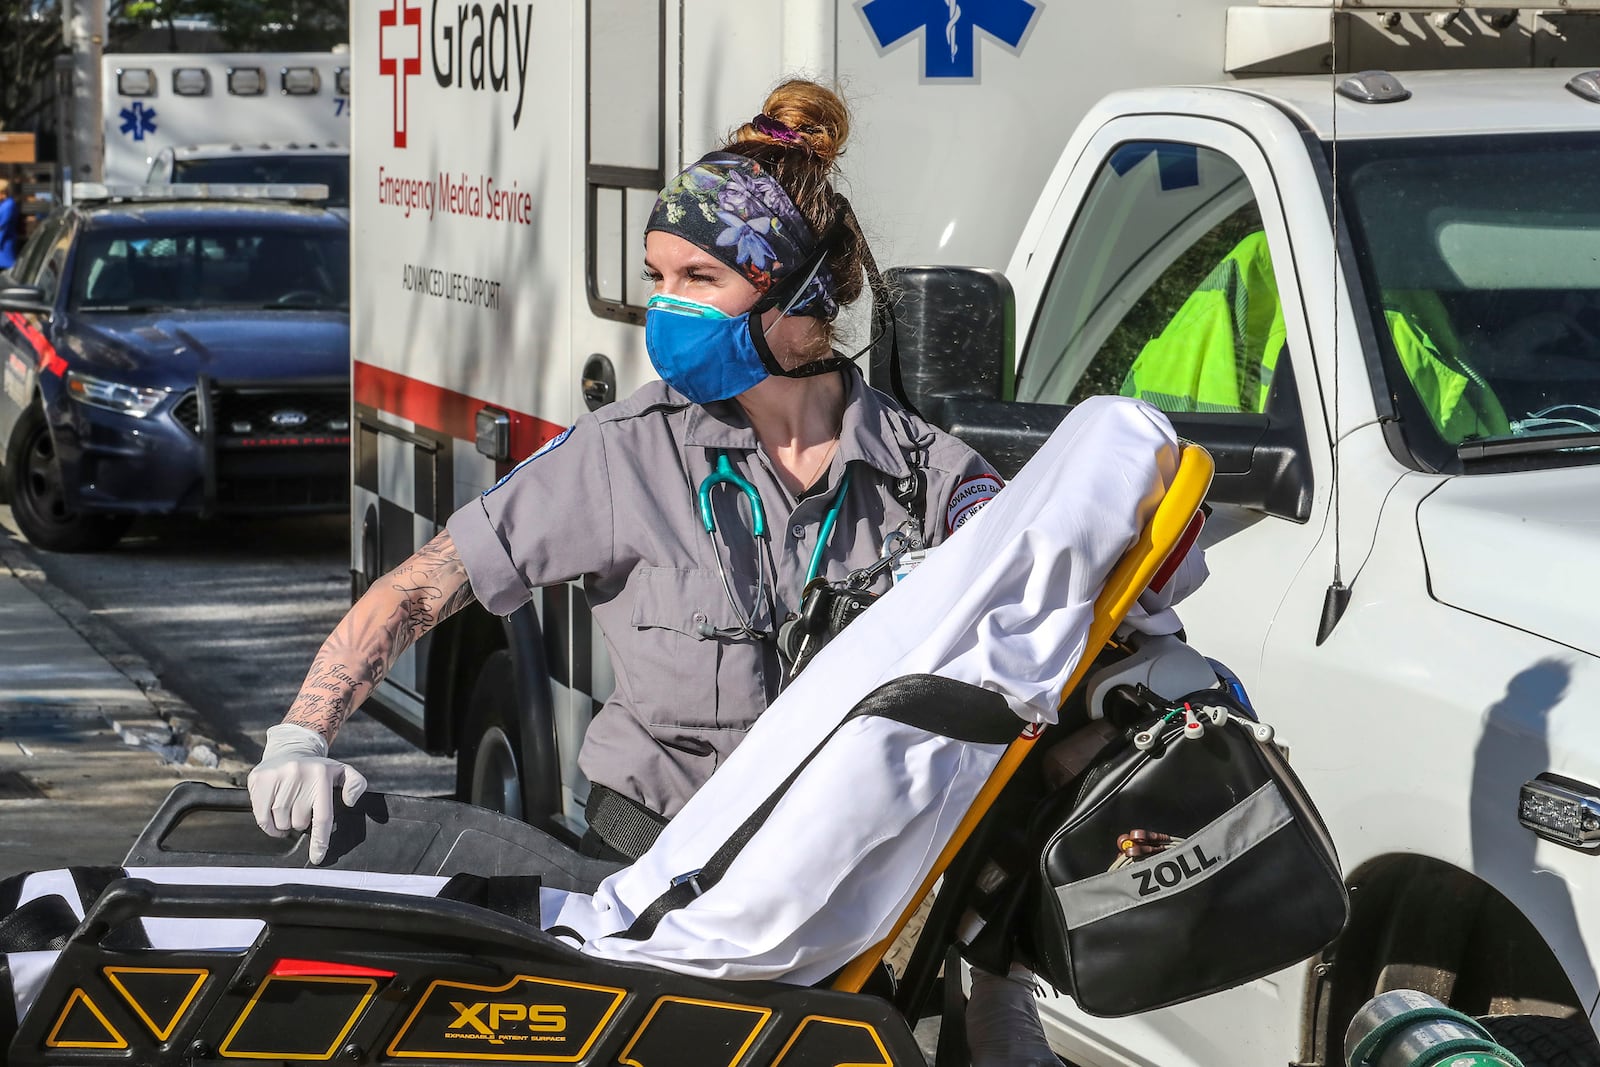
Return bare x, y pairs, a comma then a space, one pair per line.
488, 758
38, 496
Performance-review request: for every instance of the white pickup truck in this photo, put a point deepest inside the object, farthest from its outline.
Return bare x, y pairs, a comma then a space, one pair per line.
1392, 350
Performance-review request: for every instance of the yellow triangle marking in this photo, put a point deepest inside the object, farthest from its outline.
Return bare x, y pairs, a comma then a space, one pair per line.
113, 975
111, 1040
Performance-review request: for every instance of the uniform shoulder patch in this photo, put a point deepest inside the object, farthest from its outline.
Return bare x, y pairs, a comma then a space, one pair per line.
969, 497
550, 445
544, 449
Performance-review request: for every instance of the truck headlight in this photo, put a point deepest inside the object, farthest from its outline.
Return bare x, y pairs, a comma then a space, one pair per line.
114, 396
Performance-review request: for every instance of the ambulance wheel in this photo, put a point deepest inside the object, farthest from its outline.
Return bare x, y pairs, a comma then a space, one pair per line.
488, 758
38, 494
1543, 1041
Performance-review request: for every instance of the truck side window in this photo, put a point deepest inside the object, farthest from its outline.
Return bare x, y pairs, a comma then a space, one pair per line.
625, 149
33, 253
55, 262
1164, 289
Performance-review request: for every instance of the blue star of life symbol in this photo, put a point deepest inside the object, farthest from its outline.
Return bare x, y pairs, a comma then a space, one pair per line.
947, 28
138, 120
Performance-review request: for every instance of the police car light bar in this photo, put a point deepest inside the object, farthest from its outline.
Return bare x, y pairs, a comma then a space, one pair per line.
199, 191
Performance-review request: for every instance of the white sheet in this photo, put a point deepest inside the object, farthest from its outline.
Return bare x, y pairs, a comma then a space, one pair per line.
1005, 604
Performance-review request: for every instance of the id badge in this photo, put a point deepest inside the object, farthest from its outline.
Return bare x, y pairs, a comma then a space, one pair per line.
908, 563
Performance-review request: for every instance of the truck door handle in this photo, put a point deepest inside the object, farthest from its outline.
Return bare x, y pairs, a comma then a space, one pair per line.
599, 381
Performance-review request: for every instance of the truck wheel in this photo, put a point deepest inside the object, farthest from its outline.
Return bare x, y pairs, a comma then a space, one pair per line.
38, 497
488, 758
1543, 1041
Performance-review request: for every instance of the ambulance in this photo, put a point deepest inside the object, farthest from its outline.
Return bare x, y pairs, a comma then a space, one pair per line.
1399, 532
161, 101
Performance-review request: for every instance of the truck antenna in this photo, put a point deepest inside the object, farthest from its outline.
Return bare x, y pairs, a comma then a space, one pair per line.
1337, 597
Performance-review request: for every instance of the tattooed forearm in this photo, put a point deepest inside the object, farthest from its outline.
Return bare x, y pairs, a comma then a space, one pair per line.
418, 595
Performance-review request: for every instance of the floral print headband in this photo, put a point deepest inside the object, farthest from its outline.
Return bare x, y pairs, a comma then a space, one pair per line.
729, 206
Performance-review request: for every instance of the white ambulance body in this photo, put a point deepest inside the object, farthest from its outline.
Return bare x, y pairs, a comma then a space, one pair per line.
500, 180
155, 101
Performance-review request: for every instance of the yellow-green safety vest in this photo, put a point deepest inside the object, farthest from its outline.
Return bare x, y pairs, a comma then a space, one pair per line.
1219, 351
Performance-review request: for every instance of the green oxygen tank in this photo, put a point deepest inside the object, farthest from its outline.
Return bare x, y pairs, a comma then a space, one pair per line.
1407, 1028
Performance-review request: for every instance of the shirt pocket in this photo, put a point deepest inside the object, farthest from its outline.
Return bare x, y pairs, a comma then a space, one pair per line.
682, 675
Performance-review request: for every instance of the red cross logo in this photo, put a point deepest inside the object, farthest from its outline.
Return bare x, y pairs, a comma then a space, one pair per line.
400, 40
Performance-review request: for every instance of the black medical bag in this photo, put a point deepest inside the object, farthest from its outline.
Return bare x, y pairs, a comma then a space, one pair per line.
1249, 883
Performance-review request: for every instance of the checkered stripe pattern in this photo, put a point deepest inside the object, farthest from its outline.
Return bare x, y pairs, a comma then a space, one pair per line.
409, 479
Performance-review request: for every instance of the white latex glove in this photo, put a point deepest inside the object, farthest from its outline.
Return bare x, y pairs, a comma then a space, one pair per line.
292, 787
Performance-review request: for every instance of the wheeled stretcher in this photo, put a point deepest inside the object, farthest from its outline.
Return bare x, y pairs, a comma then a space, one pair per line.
455, 964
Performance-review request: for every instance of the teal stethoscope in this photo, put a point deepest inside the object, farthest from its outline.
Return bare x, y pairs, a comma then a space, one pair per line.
766, 580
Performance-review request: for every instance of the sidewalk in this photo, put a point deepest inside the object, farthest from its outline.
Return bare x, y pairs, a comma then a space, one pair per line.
89, 742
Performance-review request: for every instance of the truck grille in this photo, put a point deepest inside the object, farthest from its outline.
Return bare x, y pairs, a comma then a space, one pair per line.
311, 417
282, 414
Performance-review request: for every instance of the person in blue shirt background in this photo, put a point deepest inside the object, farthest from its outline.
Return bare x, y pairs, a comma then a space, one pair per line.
10, 226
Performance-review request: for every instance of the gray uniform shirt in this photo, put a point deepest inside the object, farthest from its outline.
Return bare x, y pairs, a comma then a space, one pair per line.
614, 501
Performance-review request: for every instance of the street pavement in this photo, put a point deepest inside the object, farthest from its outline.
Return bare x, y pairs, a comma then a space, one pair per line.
210, 623
87, 740
229, 614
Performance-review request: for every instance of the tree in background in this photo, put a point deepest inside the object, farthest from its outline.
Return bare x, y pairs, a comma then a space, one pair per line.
30, 38
29, 42
272, 25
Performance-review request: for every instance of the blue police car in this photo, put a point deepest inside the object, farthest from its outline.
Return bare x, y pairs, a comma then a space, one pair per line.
167, 353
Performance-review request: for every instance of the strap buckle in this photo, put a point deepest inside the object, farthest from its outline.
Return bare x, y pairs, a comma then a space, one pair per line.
691, 879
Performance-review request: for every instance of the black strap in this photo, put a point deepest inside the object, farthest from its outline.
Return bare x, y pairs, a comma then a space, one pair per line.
516, 896
91, 882
952, 1045
621, 822
564, 931
42, 923
11, 892
8, 1005
924, 701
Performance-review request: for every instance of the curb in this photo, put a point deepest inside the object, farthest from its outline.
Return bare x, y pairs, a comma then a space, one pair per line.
170, 730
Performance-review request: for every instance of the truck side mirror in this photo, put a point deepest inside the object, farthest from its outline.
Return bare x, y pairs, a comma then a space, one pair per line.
24, 298
956, 330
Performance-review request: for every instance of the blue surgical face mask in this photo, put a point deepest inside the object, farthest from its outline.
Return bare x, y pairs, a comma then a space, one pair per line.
699, 351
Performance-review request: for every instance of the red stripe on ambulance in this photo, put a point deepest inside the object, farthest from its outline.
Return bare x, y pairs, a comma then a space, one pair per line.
444, 410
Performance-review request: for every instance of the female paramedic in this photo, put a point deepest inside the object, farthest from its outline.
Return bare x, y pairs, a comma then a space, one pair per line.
696, 511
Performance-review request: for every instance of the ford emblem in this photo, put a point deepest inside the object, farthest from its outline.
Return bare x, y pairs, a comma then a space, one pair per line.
288, 419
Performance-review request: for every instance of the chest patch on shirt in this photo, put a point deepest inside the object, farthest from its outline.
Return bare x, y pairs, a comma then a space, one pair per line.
968, 499
549, 446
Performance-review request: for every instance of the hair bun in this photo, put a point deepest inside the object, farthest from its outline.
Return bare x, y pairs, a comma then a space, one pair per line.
817, 116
